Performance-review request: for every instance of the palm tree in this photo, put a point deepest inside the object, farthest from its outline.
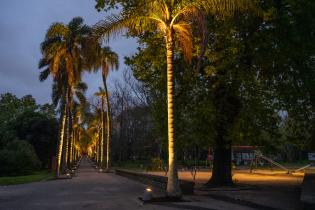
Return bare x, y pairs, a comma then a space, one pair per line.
62, 58
59, 89
102, 94
173, 19
107, 60
79, 110
94, 129
77, 100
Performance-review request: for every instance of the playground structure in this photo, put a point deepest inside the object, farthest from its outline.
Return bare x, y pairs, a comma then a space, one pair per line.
244, 154
258, 156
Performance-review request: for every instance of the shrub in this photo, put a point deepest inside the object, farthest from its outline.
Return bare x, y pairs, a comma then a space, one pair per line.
18, 157
157, 164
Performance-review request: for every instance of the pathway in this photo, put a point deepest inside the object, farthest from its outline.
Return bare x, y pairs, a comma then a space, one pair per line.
90, 190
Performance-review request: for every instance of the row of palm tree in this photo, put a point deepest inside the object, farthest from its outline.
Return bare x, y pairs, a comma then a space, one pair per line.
67, 51
106, 60
64, 46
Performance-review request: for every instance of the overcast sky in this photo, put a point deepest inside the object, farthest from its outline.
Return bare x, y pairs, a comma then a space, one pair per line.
23, 24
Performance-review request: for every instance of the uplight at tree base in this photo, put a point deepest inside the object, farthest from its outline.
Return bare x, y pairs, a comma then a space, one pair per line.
147, 195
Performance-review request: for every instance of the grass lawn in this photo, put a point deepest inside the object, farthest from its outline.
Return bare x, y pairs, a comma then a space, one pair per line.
35, 177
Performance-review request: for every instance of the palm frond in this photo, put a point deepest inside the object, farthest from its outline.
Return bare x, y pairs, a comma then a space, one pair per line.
43, 62
85, 31
44, 74
75, 24
55, 64
57, 30
56, 94
116, 25
222, 8
49, 43
111, 58
69, 69
112, 26
82, 86
100, 93
81, 97
184, 37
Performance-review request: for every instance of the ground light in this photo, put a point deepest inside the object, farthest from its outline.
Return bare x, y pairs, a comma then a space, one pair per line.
147, 195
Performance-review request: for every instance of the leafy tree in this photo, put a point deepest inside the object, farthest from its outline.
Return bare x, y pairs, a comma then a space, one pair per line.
22, 118
39, 131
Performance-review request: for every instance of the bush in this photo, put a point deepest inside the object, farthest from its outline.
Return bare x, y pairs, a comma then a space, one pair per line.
157, 164
18, 157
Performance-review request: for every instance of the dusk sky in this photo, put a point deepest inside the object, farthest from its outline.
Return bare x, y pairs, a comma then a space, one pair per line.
23, 24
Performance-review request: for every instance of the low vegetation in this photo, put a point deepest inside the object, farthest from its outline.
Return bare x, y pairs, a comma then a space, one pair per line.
34, 177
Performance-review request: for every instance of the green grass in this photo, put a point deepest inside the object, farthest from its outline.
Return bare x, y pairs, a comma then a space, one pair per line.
35, 177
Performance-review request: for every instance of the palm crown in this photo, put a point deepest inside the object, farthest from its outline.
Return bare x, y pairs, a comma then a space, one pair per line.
171, 18
63, 44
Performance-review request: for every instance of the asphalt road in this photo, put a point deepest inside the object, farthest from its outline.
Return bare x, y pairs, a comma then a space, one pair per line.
91, 190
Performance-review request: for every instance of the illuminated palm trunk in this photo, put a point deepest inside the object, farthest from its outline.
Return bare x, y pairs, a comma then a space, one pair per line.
61, 140
72, 145
107, 124
97, 150
173, 189
77, 150
66, 143
68, 130
70, 137
102, 133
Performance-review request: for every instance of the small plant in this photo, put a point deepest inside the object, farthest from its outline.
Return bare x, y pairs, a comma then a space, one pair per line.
157, 164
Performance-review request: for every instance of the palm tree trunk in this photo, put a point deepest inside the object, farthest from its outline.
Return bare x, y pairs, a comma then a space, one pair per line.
77, 150
97, 151
108, 123
72, 145
69, 140
103, 132
64, 148
173, 189
68, 130
121, 128
62, 134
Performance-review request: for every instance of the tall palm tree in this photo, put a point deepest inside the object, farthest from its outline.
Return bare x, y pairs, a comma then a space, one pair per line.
173, 19
62, 57
102, 94
59, 97
106, 60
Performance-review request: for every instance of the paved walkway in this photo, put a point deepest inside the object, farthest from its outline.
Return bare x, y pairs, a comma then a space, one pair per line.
272, 190
92, 190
